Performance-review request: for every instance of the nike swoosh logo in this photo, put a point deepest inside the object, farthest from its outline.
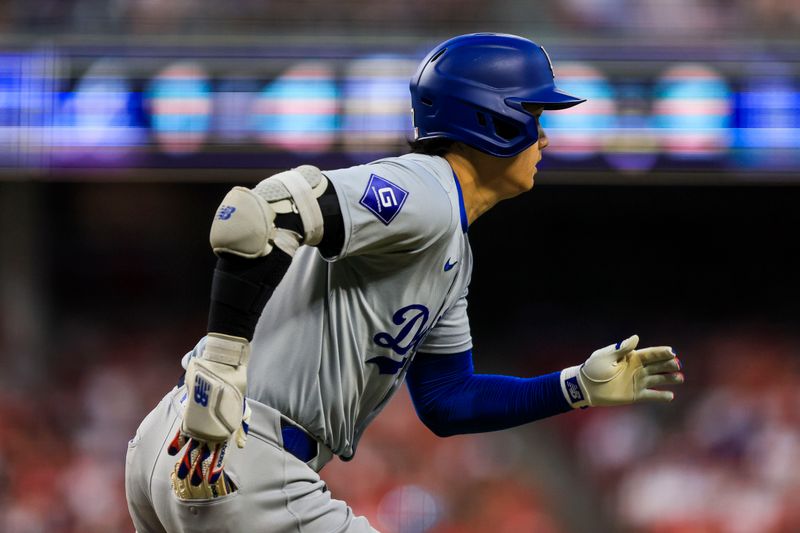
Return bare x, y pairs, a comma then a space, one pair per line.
448, 266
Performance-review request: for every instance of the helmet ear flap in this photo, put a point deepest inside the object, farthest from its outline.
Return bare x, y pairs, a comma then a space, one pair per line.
505, 129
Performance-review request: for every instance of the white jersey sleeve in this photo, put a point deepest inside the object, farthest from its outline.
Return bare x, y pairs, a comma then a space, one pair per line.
390, 208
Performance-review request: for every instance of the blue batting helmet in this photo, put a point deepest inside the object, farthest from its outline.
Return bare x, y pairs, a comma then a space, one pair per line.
473, 89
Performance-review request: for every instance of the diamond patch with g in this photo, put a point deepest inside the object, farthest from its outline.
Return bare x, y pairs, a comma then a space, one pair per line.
383, 198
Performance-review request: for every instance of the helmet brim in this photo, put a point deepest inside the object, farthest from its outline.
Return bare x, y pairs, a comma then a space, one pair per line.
551, 100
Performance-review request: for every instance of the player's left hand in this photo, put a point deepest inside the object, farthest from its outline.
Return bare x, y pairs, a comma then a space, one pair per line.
620, 374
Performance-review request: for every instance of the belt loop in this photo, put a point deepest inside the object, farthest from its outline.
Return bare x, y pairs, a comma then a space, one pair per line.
323, 457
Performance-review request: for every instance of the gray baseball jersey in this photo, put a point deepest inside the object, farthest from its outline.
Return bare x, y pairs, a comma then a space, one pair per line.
336, 338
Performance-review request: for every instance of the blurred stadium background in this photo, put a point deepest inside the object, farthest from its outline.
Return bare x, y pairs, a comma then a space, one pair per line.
666, 206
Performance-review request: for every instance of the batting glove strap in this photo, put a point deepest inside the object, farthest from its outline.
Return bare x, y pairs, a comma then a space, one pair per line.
226, 349
572, 388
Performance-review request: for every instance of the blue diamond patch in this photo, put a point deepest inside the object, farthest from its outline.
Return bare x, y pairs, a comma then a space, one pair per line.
383, 198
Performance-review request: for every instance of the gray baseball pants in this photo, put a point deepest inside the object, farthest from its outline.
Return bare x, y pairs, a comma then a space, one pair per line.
277, 493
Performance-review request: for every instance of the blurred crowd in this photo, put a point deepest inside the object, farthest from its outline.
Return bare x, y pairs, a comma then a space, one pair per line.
62, 444
702, 18
242, 16
725, 460
698, 18
722, 458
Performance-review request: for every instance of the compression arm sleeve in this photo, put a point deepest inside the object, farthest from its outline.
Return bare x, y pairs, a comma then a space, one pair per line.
451, 399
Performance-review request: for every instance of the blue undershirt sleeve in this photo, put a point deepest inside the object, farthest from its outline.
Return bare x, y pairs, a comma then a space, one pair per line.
451, 399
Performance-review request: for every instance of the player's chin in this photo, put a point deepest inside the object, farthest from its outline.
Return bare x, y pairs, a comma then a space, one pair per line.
533, 178
522, 183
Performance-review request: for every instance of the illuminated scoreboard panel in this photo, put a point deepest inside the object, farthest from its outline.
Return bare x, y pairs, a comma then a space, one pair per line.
65, 109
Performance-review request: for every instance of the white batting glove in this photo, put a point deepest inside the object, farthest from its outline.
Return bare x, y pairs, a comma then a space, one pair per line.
619, 374
214, 413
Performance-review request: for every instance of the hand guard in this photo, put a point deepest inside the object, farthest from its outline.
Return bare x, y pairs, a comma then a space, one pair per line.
619, 374
215, 410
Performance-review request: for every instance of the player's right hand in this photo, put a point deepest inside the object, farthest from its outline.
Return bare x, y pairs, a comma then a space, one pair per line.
620, 374
215, 411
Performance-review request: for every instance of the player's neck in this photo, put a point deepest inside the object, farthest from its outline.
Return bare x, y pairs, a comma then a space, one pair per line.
481, 181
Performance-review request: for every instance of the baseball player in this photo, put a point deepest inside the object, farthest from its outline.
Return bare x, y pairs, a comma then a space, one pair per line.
333, 288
